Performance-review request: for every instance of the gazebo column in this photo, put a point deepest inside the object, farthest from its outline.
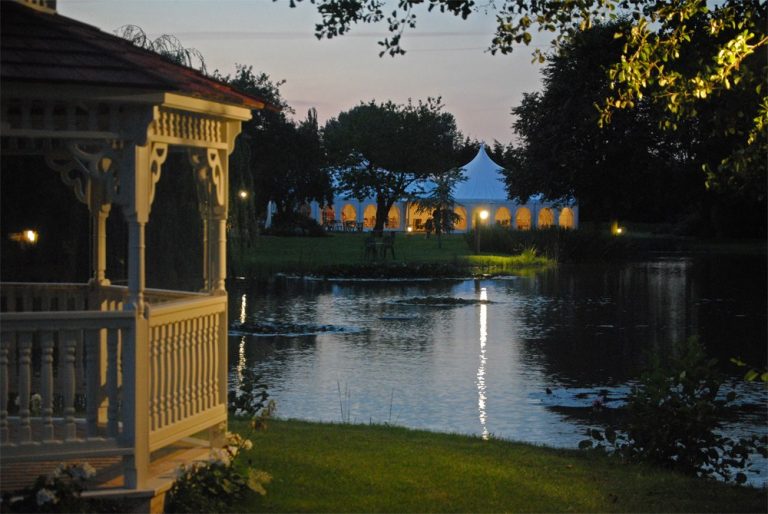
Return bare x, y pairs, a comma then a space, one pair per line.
210, 166
140, 173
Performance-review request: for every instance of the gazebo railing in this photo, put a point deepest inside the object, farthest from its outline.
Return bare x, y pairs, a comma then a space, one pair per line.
79, 376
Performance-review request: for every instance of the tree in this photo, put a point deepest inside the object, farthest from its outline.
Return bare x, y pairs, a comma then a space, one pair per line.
652, 63
615, 171
439, 202
280, 160
379, 150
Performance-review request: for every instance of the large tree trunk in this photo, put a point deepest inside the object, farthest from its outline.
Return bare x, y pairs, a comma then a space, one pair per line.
382, 215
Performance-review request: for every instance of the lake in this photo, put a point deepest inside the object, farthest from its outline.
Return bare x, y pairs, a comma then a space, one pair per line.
526, 363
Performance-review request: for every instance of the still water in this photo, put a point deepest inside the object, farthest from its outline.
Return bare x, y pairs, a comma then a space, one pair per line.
527, 365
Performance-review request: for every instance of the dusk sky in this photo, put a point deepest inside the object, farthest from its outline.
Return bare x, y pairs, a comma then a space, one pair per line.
446, 56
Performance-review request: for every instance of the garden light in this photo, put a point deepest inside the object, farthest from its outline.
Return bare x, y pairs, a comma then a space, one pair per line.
25, 237
484, 215
243, 194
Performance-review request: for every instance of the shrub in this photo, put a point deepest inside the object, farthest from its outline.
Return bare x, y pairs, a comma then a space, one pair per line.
562, 245
214, 485
673, 421
61, 491
295, 224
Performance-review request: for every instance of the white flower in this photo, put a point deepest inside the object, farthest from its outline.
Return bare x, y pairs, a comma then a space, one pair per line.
83, 471
219, 455
45, 496
247, 444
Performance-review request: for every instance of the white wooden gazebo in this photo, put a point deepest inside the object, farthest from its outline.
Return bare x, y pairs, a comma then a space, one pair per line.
151, 364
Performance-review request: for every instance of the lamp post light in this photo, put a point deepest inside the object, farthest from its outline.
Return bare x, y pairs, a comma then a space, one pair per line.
27, 237
243, 194
482, 216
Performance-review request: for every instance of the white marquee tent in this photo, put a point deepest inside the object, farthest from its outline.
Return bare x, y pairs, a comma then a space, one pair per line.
483, 190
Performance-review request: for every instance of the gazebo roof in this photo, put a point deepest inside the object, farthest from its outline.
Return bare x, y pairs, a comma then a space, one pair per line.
45, 47
484, 180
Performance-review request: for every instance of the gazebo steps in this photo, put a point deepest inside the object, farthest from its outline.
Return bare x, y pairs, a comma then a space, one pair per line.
108, 484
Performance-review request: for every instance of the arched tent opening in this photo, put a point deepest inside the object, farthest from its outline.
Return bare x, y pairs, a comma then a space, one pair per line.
348, 213
502, 217
523, 219
417, 218
461, 224
566, 218
369, 216
477, 216
393, 220
546, 218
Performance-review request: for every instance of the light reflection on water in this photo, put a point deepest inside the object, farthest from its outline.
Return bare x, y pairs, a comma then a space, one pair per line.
486, 369
481, 389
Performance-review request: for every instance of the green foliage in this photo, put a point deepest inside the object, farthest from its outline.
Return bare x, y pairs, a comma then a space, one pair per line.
60, 491
249, 397
614, 171
277, 159
674, 416
679, 54
438, 203
556, 243
215, 485
752, 374
380, 149
294, 224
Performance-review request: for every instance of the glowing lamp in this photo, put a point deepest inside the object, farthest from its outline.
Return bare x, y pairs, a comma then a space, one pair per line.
25, 237
410, 229
484, 215
243, 194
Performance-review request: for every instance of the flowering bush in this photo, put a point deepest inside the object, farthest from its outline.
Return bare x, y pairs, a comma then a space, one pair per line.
61, 491
212, 485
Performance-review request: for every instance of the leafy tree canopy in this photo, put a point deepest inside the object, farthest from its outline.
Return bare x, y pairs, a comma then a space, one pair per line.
279, 159
677, 52
614, 171
380, 149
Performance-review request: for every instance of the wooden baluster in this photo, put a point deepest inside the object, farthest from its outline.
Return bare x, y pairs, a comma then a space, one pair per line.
25, 372
155, 377
113, 365
194, 364
165, 378
186, 361
68, 382
175, 396
202, 363
6, 343
213, 361
46, 384
92, 380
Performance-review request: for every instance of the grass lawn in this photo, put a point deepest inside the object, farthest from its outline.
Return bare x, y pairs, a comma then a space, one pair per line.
307, 254
359, 468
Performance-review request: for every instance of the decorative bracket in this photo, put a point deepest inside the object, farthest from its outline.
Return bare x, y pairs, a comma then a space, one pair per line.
89, 168
210, 177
